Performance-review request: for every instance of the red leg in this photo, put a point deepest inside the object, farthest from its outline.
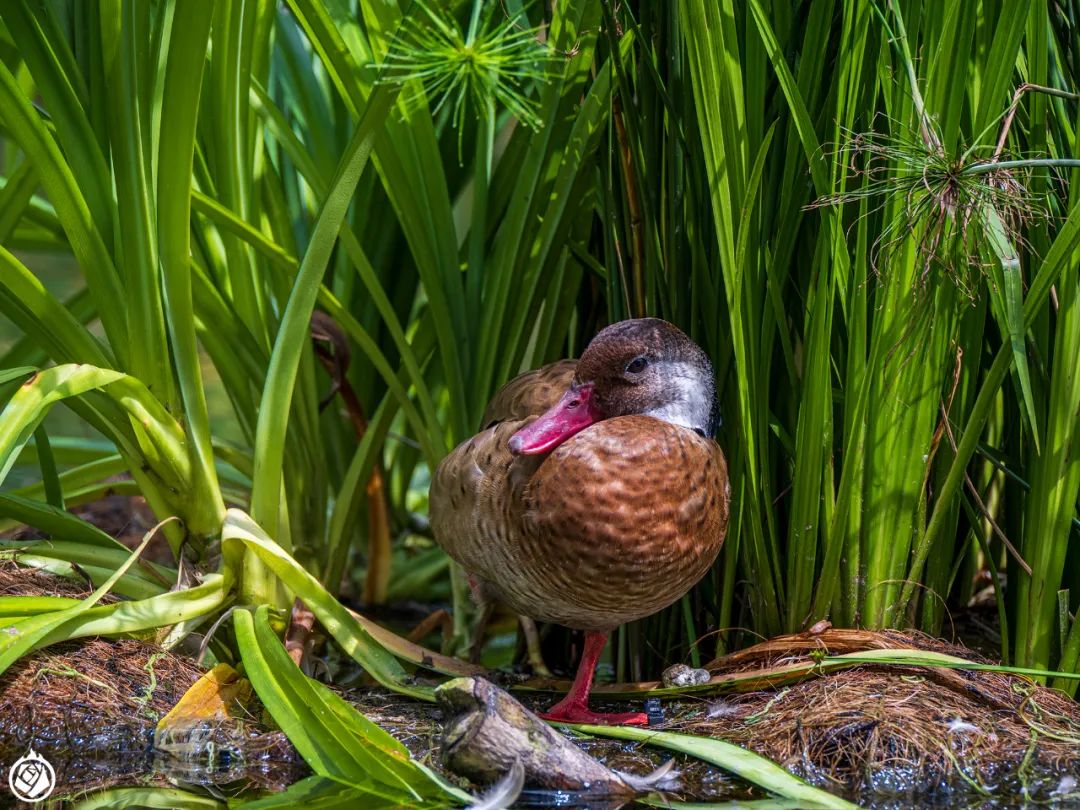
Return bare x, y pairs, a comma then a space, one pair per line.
574, 708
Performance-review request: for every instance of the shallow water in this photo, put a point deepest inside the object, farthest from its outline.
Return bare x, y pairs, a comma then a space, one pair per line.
205, 763
223, 779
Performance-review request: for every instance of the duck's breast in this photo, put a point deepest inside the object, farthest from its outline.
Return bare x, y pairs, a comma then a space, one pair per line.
615, 524
619, 522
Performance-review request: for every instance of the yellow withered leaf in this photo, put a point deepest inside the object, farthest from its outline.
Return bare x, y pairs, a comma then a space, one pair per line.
215, 695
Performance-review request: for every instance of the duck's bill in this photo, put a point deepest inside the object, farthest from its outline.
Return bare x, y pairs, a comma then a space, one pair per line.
572, 414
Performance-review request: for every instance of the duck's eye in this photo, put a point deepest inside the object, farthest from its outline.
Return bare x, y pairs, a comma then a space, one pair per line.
637, 365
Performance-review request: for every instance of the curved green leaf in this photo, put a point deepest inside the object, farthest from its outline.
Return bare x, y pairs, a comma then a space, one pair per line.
335, 739
750, 766
239, 529
292, 335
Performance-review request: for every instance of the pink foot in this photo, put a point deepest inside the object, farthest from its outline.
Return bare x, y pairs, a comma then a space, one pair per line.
566, 712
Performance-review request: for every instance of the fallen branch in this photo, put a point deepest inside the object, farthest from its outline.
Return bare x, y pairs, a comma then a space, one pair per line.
487, 733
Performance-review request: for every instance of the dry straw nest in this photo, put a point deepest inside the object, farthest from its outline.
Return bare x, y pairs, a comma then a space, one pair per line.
896, 729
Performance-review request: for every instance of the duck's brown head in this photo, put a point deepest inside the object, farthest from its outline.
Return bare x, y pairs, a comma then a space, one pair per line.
643, 366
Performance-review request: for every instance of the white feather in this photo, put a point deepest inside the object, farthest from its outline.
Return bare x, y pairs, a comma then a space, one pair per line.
689, 399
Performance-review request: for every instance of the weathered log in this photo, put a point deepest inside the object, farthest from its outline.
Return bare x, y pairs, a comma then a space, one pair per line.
486, 731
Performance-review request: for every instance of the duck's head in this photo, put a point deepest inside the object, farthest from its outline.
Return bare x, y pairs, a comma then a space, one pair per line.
643, 366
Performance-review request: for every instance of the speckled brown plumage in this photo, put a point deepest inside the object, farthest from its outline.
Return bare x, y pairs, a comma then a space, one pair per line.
531, 393
594, 494
613, 525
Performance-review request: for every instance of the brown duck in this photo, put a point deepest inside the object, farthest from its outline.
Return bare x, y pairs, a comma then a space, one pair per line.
595, 494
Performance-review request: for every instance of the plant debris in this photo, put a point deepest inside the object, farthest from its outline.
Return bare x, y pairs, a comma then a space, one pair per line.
917, 731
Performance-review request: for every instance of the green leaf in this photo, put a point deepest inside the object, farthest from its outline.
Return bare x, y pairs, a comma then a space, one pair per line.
41, 316
188, 43
25, 635
56, 522
25, 126
32, 401
354, 640
751, 767
54, 494
147, 797
1007, 298
320, 793
335, 739
292, 335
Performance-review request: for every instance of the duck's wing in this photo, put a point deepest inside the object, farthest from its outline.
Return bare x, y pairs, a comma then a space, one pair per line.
475, 492
475, 500
531, 393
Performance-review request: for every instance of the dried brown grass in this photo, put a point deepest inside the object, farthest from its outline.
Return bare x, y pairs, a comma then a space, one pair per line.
880, 725
92, 706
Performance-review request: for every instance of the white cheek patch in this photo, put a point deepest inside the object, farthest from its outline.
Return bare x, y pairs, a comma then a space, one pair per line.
689, 399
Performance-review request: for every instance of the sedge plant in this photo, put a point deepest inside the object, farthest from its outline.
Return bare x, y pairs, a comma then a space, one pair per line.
877, 250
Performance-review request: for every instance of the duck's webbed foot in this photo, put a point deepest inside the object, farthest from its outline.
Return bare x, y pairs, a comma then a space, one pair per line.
574, 708
569, 710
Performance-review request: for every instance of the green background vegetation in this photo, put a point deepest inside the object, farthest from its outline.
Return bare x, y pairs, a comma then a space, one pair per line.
863, 211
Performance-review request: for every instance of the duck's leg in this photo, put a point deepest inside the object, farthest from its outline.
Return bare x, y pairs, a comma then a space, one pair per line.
532, 647
574, 708
483, 619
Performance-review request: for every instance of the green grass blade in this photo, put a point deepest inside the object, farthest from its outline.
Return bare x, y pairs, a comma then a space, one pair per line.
26, 301
320, 793
150, 613
25, 126
32, 401
44, 47
334, 738
182, 80
1051, 505
54, 521
745, 764
292, 335
19, 188
24, 635
53, 491
157, 798
136, 240
1009, 308
1057, 260
712, 48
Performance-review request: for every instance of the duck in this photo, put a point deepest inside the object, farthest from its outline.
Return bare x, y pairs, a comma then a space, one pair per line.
595, 492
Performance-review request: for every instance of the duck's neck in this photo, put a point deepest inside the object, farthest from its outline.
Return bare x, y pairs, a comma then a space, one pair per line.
691, 394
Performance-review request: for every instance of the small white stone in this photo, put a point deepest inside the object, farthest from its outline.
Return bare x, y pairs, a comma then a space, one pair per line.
678, 675
1065, 787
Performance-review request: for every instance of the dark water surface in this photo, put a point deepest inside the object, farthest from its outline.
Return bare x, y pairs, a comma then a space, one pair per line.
223, 780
